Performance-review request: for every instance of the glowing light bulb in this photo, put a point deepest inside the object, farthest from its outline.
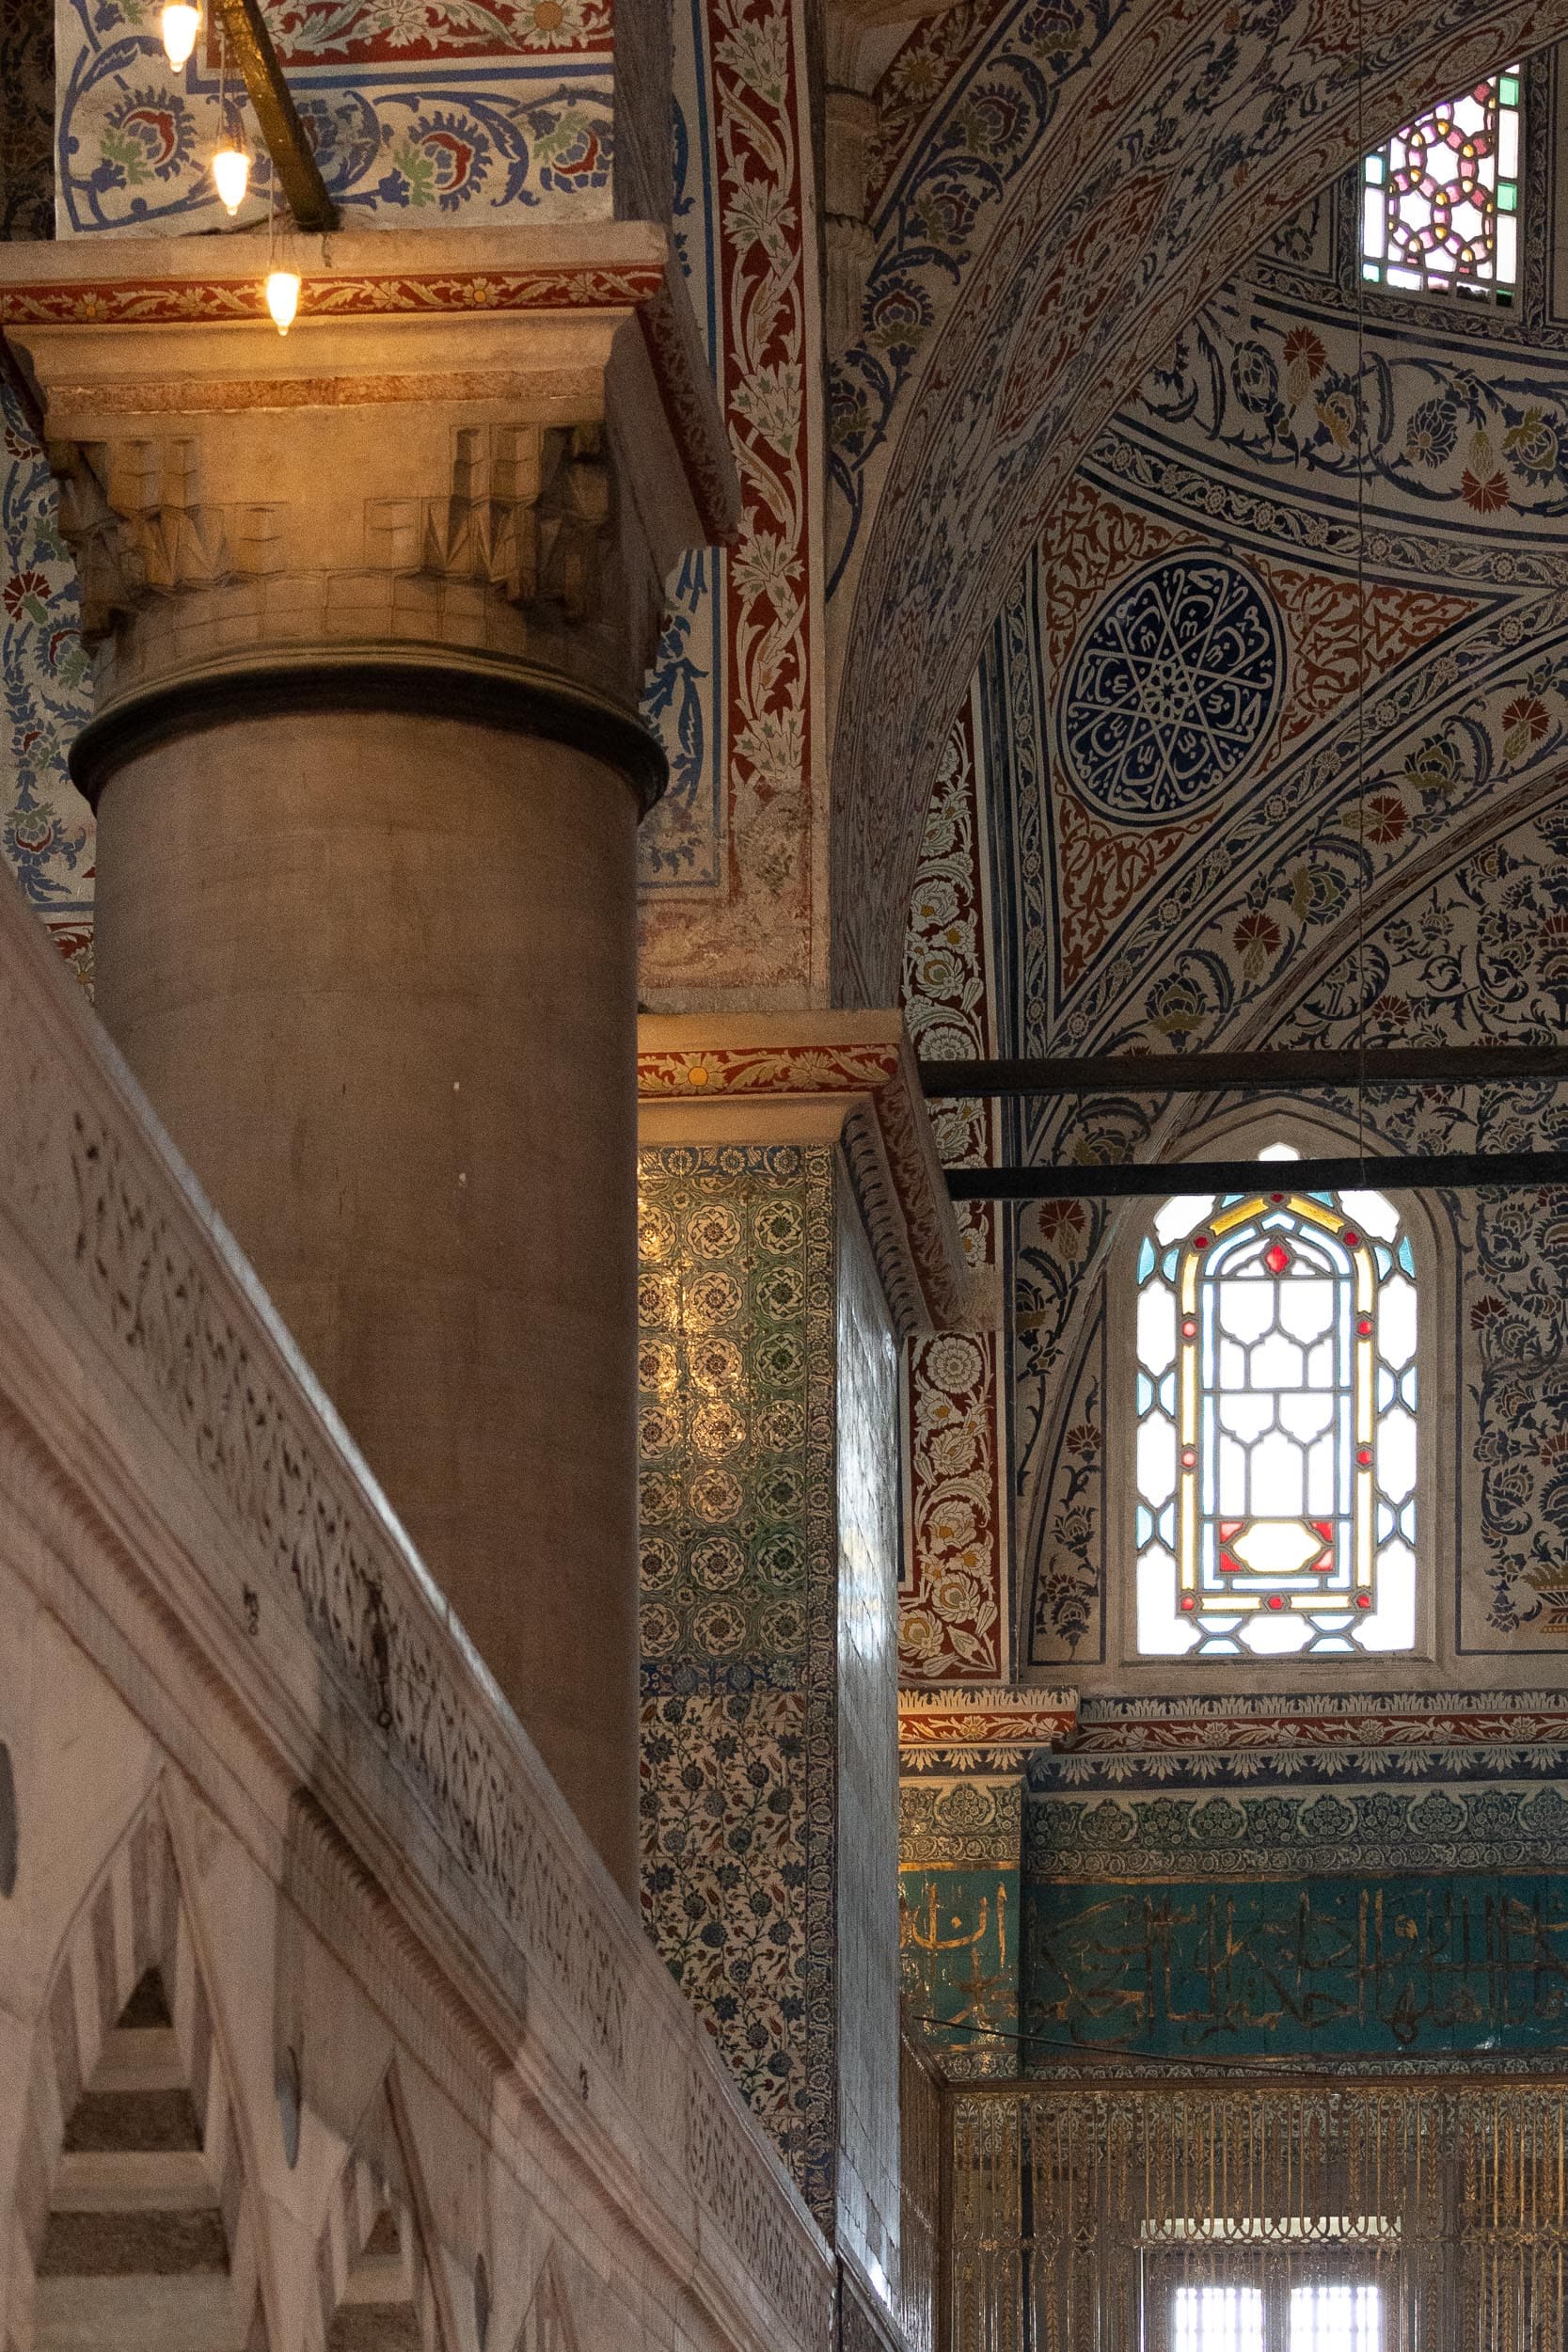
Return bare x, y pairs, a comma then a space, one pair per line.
282, 297
179, 25
231, 177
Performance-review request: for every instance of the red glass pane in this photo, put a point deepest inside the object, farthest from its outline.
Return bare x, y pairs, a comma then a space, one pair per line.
1276, 1258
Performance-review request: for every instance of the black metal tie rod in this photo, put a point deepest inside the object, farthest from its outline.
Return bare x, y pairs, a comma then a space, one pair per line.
1384, 1172
1286, 1068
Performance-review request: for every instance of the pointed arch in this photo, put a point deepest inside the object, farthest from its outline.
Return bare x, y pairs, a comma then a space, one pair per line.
379, 2287
547, 2323
134, 2222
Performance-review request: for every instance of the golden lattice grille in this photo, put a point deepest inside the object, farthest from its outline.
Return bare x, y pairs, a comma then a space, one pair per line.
1077, 2213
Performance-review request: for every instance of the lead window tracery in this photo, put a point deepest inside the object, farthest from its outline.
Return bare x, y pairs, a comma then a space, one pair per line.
1440, 200
1276, 1464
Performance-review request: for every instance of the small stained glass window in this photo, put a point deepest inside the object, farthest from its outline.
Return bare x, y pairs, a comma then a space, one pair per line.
1275, 1450
1440, 203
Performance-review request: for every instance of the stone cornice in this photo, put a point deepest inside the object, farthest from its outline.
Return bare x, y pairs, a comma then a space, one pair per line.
609, 270
983, 1731
786, 1077
224, 1540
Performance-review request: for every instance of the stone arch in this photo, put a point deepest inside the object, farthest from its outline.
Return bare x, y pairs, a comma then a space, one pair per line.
134, 2223
548, 2324
378, 2286
1042, 298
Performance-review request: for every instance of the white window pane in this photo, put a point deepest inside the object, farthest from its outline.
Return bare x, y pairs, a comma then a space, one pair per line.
1217, 2319
1371, 224
1157, 1459
1280, 1152
1369, 1213
1245, 1309
1396, 1321
1392, 1623
1231, 1499
1323, 1462
1278, 1363
1306, 1307
1276, 1547
1396, 1454
1277, 1632
1246, 1416
1278, 1484
1307, 1415
1163, 1629
1507, 145
1507, 248
1337, 2317
1177, 1219
1156, 1327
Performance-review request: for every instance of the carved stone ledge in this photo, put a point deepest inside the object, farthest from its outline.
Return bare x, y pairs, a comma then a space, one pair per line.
982, 1731
253, 1557
711, 1078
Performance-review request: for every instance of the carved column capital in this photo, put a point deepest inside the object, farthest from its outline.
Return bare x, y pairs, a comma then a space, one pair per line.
464, 453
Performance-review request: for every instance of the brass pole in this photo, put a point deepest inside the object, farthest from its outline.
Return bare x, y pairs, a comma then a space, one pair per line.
292, 158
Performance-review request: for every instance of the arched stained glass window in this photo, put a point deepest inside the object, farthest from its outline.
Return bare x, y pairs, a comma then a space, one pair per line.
1275, 1462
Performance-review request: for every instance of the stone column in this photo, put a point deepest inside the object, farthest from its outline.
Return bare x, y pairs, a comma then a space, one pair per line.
375, 603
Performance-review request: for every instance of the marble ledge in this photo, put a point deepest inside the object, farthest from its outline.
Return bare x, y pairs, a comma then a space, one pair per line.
831, 1077
182, 1502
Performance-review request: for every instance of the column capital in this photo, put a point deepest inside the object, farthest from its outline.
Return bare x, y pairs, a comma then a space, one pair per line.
823, 1077
474, 459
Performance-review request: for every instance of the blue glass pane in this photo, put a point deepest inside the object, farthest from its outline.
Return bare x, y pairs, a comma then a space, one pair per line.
1406, 1260
1146, 1394
1145, 1261
1146, 1525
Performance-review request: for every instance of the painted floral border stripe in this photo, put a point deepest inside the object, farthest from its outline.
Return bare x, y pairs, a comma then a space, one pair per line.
153, 302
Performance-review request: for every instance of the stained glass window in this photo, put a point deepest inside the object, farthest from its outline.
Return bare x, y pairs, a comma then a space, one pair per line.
1440, 203
1275, 1450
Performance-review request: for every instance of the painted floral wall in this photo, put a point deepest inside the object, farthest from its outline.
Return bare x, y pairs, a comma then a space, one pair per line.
46, 829
1344, 489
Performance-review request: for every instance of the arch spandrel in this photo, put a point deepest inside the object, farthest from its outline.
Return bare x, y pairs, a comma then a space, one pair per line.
1103, 242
